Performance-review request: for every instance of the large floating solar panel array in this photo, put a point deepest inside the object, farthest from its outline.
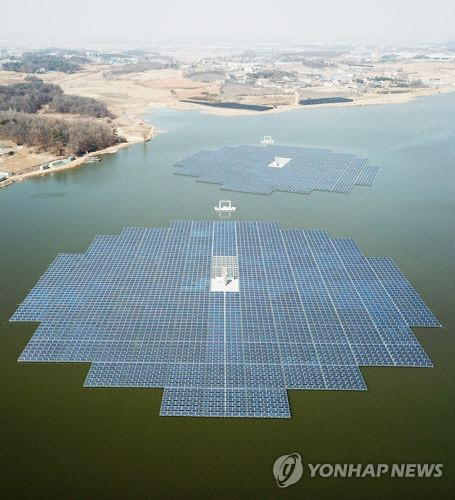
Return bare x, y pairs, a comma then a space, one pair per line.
292, 309
262, 170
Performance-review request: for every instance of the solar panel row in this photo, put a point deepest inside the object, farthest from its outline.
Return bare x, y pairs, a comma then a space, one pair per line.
246, 169
308, 312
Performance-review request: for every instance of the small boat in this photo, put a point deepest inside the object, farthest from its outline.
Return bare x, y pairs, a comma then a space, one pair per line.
267, 140
93, 159
225, 206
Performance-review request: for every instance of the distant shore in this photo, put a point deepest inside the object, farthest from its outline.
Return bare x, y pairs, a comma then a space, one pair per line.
369, 100
133, 96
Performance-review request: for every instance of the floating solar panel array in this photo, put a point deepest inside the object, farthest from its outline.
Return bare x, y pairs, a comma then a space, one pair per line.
306, 312
261, 170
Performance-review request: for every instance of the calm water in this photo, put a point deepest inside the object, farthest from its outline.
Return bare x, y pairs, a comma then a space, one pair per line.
60, 439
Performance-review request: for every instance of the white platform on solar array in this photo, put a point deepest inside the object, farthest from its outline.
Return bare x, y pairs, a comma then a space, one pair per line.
279, 162
293, 169
224, 274
304, 311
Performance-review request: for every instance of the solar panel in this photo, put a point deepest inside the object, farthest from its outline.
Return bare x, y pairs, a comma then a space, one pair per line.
306, 312
262, 170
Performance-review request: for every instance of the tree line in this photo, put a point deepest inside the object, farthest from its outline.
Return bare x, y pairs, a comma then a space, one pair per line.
59, 136
42, 63
79, 105
28, 96
32, 94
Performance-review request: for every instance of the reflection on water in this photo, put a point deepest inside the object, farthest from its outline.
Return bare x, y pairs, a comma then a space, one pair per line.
49, 195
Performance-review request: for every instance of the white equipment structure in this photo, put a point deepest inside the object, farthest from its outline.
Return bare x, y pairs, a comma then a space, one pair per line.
225, 206
224, 273
267, 140
279, 162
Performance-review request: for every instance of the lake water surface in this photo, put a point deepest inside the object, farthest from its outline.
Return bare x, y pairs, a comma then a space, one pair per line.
59, 439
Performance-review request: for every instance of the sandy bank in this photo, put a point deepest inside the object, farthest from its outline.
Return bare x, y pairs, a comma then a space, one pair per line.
368, 100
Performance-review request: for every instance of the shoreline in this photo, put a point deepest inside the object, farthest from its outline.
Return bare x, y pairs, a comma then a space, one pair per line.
386, 99
78, 162
372, 100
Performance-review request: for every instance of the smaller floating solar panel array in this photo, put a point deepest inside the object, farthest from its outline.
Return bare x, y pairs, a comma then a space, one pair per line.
247, 169
308, 312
